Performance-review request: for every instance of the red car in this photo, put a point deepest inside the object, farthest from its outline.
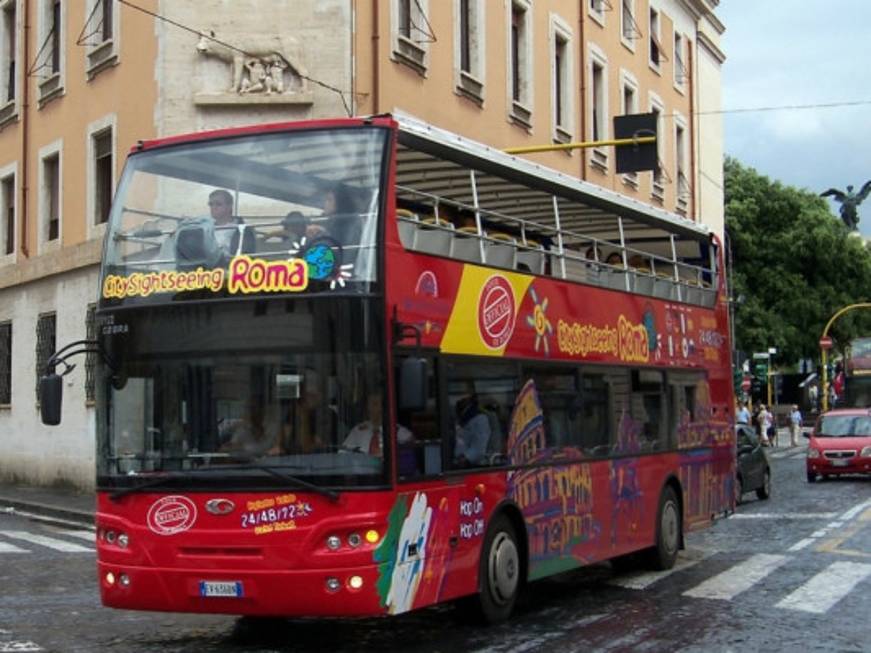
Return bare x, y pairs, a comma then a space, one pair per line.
840, 444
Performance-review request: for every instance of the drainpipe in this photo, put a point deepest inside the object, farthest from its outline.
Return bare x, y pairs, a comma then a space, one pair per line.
25, 124
376, 37
582, 76
690, 73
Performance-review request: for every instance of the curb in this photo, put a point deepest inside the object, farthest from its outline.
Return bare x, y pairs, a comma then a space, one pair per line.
70, 516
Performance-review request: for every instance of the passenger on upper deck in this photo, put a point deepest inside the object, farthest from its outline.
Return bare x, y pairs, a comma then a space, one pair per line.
228, 226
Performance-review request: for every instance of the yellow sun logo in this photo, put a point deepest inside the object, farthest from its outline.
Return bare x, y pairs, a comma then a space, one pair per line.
538, 321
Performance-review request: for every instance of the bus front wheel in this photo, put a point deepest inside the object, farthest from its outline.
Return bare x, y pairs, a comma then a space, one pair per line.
499, 572
663, 554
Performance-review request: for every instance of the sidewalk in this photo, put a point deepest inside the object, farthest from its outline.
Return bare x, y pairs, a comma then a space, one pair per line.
64, 505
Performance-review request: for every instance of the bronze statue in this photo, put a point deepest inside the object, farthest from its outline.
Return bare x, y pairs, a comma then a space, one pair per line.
850, 202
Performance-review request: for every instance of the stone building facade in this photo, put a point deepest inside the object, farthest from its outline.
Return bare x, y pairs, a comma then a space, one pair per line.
81, 82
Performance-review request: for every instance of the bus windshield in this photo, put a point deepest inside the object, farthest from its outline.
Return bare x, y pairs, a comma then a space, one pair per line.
238, 386
277, 213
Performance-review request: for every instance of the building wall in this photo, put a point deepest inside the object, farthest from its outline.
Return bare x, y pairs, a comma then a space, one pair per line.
158, 83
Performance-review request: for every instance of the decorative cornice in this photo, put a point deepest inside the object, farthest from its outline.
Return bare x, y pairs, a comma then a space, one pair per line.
64, 260
706, 42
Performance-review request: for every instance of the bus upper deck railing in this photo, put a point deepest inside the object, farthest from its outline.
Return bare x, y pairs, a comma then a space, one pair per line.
514, 248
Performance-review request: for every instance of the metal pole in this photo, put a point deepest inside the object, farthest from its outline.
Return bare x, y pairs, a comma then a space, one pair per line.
641, 140
477, 215
825, 388
559, 237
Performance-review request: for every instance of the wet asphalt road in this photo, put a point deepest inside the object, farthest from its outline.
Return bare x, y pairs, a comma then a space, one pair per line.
789, 573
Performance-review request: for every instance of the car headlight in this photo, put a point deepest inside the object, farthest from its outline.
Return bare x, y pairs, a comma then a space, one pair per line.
813, 453
866, 452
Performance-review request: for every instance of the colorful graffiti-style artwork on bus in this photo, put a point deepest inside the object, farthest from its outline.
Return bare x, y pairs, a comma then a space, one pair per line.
626, 495
556, 500
413, 555
707, 476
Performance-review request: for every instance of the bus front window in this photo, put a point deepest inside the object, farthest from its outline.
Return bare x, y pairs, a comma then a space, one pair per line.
266, 213
278, 384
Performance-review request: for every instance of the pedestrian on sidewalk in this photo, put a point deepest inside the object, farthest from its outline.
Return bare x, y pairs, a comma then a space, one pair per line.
794, 426
766, 420
743, 414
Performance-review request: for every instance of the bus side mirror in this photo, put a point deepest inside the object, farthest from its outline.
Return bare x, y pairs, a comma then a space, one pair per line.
412, 385
51, 392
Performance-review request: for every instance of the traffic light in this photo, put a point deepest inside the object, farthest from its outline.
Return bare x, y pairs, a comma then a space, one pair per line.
778, 385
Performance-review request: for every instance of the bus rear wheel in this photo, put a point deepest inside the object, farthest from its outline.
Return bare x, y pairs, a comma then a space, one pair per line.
663, 554
499, 572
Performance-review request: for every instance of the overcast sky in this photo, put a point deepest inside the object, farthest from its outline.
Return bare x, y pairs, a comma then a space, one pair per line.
800, 52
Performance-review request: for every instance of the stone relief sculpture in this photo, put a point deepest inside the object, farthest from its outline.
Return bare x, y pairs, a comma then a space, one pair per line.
258, 62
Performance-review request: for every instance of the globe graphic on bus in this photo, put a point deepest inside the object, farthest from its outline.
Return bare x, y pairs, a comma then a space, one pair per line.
321, 261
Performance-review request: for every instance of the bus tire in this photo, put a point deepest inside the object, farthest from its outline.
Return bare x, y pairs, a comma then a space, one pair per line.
499, 571
663, 554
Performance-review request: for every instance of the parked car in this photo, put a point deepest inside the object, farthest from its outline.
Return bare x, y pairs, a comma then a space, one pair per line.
753, 470
840, 443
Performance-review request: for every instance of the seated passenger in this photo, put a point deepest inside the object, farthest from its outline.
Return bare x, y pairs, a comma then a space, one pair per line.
472, 432
365, 437
228, 226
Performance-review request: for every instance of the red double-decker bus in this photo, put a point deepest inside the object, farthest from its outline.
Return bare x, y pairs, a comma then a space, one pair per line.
362, 366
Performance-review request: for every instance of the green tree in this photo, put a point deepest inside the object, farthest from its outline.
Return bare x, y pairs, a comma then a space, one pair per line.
795, 263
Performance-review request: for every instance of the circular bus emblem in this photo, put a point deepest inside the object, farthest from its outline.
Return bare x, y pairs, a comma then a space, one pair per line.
496, 312
171, 515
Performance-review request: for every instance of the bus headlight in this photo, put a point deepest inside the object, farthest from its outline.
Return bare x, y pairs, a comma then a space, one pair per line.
333, 585
334, 542
354, 540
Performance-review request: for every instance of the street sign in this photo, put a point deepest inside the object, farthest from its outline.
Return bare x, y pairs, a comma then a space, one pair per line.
826, 342
746, 383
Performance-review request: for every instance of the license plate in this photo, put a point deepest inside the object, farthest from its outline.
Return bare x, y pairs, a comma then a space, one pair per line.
221, 588
840, 463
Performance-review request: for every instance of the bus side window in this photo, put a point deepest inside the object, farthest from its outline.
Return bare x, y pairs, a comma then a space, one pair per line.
419, 442
648, 409
558, 394
480, 399
594, 410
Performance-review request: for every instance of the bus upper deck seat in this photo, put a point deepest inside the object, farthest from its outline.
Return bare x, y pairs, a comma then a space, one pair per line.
435, 236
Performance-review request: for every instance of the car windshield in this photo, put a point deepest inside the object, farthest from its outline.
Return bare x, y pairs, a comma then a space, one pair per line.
844, 426
270, 384
266, 213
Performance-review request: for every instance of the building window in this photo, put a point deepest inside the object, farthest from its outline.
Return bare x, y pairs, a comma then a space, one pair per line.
50, 57
683, 181
99, 35
598, 107
563, 106
412, 33
596, 9
655, 49
5, 363
106, 27
51, 196
102, 144
46, 335
7, 215
680, 71
657, 190
470, 48
629, 31
55, 36
629, 102
9, 45
90, 357
521, 69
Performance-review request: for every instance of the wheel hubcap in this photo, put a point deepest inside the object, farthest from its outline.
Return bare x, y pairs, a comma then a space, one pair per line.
504, 568
670, 523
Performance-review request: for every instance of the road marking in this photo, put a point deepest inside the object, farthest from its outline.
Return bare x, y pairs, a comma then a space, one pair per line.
824, 590
801, 544
642, 579
88, 536
18, 647
11, 548
783, 515
855, 510
739, 578
50, 542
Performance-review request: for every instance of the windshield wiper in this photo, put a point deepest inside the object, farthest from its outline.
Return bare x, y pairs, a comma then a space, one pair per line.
151, 482
332, 495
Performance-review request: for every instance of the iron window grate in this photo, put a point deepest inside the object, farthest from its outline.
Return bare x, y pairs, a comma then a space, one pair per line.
46, 332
